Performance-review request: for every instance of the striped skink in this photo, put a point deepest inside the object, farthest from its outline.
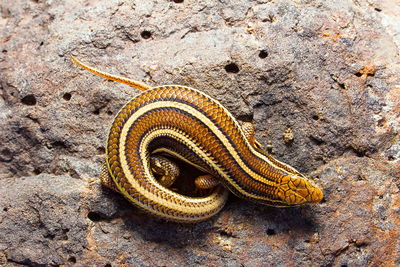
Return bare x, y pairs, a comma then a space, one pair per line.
187, 124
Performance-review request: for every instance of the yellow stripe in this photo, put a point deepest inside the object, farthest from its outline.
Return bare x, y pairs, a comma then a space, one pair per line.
254, 151
143, 150
149, 175
207, 206
220, 135
178, 156
196, 149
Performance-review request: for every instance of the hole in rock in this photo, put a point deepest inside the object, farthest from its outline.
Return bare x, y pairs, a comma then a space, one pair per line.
29, 100
232, 68
145, 34
96, 111
263, 54
359, 154
59, 144
67, 96
94, 216
72, 259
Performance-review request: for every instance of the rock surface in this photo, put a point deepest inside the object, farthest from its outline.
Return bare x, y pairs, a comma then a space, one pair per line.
325, 72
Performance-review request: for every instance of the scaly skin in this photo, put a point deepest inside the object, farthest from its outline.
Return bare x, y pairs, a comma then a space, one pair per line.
194, 127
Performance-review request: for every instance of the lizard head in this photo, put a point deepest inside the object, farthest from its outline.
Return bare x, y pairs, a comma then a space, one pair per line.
296, 189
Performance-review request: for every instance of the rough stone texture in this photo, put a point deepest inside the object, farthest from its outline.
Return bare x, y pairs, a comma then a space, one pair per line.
328, 71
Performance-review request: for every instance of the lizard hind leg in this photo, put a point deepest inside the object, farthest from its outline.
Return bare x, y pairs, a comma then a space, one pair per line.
205, 182
168, 171
106, 179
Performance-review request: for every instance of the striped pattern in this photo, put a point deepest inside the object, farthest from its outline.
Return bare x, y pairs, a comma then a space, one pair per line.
190, 125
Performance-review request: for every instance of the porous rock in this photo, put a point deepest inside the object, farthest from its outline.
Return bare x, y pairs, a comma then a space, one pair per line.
326, 70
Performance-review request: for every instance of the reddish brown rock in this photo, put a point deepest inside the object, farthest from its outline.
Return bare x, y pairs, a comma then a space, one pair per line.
328, 71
